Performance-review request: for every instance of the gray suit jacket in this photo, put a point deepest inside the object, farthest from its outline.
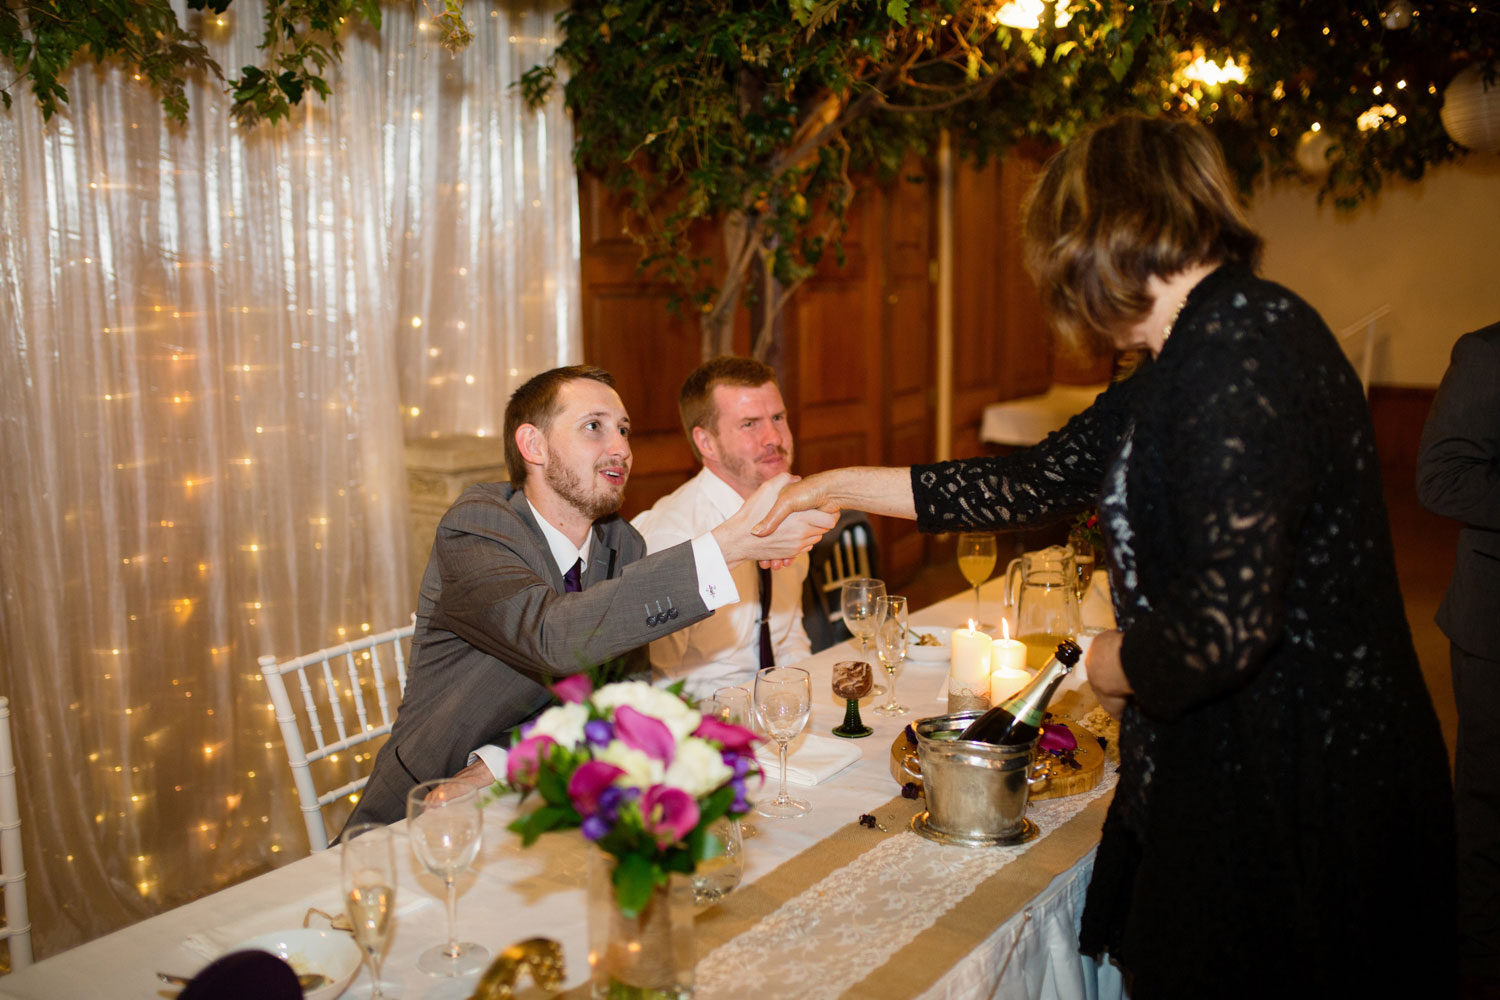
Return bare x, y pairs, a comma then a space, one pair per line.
1458, 476
494, 627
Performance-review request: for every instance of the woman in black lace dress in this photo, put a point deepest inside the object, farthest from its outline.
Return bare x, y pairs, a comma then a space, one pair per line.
1282, 821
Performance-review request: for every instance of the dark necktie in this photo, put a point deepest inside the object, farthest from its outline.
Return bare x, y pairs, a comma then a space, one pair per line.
573, 578
767, 657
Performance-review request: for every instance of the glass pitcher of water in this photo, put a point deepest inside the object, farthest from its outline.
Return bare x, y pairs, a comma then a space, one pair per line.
1046, 602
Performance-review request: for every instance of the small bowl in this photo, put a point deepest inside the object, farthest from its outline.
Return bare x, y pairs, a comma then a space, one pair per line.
330, 953
931, 654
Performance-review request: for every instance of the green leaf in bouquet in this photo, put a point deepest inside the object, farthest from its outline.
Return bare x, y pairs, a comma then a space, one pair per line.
635, 878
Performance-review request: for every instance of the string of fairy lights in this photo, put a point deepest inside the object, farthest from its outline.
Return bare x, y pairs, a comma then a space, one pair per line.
239, 463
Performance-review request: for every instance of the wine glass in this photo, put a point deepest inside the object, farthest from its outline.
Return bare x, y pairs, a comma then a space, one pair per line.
976, 561
368, 861
443, 820
890, 645
732, 705
858, 598
783, 701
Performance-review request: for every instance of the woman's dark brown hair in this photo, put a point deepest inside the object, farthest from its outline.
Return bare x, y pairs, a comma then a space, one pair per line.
1131, 197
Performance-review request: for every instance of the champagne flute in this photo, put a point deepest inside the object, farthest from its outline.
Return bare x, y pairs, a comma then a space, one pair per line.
858, 598
976, 561
890, 645
783, 701
368, 862
444, 821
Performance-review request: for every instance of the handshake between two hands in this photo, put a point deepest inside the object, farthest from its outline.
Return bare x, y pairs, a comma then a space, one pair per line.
783, 539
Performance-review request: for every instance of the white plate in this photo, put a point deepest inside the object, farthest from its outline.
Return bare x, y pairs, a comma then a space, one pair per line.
930, 654
330, 953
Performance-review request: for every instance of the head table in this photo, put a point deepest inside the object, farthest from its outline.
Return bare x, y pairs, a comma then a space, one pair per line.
827, 908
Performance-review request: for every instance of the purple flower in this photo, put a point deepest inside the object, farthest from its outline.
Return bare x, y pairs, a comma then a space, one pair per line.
643, 733
669, 814
730, 737
524, 760
596, 826
589, 784
598, 732
574, 689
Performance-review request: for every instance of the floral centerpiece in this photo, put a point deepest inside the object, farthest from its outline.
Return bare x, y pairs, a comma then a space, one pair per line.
1085, 531
644, 776
640, 771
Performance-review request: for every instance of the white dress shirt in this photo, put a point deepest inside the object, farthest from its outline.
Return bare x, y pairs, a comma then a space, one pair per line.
722, 650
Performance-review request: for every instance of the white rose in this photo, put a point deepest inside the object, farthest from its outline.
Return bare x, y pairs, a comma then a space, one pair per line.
697, 769
679, 717
564, 723
640, 770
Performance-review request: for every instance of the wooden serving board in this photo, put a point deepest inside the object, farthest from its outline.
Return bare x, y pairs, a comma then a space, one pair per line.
1062, 779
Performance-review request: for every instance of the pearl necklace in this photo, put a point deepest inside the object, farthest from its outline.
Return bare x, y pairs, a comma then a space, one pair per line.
1172, 323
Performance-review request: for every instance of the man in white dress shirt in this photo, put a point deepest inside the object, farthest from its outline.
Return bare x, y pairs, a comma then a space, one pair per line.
736, 421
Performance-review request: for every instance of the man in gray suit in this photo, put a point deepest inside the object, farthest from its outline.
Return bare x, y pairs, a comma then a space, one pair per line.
539, 578
1458, 476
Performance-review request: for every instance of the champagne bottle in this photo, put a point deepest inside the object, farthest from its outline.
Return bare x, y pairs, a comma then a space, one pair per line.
1019, 718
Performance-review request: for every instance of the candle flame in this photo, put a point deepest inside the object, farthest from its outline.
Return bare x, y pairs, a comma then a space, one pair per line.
1004, 629
973, 625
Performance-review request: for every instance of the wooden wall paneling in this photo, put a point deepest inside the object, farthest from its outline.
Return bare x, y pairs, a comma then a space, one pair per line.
629, 330
908, 332
976, 301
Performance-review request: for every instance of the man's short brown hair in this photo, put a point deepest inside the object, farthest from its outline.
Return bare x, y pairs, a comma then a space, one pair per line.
696, 400
1131, 197
535, 403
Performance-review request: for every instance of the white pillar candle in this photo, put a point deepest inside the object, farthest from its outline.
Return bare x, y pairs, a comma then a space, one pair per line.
1007, 654
1005, 682
969, 665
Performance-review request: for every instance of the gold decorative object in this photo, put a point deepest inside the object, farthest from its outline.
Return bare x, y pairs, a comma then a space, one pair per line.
542, 957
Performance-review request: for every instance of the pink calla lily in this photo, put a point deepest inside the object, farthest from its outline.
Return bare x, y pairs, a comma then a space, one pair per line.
525, 759
574, 690
643, 733
589, 782
730, 737
669, 813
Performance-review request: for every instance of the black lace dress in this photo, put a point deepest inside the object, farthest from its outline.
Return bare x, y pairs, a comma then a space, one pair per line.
1283, 816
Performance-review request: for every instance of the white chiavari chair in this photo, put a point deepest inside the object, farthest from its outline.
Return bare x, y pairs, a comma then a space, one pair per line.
17, 929
353, 679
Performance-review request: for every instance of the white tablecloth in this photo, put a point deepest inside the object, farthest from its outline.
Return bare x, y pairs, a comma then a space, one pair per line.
516, 893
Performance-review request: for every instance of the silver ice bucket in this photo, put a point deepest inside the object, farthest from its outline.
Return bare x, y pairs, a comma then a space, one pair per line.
976, 792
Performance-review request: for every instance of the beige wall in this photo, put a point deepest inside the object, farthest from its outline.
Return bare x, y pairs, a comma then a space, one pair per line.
1430, 249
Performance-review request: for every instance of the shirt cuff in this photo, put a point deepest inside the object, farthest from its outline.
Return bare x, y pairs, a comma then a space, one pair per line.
494, 758
715, 582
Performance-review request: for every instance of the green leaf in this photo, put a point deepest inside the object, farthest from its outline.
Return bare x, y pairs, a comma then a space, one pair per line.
634, 880
896, 10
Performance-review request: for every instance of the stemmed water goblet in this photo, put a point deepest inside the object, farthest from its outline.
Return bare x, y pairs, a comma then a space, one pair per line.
976, 561
444, 822
890, 645
783, 701
368, 863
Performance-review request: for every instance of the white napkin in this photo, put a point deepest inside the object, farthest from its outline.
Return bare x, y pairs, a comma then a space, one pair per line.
216, 941
809, 761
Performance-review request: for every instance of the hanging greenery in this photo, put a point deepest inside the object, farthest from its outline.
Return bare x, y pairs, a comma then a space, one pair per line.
752, 116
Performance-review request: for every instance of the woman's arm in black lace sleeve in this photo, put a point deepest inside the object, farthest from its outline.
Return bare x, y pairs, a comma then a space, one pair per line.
1060, 475
1237, 480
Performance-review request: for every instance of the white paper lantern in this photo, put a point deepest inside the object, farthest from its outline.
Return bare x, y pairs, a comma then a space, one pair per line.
1471, 110
1312, 153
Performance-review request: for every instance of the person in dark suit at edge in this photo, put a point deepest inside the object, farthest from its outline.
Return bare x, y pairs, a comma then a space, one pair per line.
539, 578
1458, 476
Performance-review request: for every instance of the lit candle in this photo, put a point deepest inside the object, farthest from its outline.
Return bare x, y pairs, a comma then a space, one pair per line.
969, 664
1007, 666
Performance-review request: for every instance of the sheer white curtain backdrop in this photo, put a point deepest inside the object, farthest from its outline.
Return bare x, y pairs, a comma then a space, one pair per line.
215, 344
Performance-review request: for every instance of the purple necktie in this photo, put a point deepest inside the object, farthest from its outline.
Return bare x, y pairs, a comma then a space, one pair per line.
573, 578
767, 656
